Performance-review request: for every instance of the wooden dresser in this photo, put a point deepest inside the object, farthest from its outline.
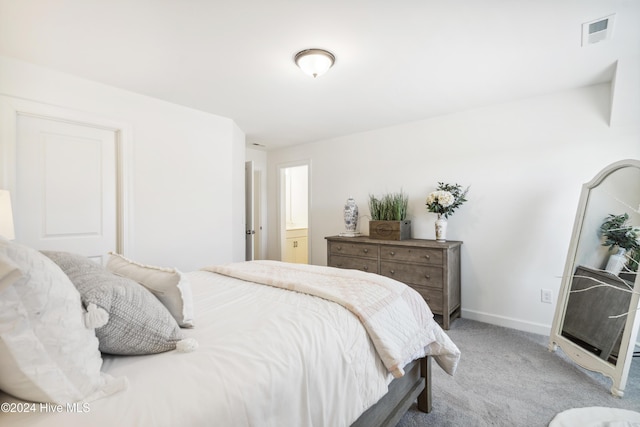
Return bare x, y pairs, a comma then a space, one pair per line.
431, 268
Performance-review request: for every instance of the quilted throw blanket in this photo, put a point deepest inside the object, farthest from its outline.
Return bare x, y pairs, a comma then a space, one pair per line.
396, 317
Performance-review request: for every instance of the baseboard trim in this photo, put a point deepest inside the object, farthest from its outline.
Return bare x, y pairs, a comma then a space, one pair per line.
507, 322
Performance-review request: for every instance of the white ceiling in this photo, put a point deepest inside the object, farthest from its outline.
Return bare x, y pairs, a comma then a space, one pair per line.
396, 61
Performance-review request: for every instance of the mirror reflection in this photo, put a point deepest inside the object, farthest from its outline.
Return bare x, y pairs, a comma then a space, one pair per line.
605, 266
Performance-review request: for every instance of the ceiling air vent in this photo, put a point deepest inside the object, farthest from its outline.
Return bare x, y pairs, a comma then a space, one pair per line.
598, 30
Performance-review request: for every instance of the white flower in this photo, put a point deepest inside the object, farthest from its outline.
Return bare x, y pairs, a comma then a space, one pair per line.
431, 198
443, 198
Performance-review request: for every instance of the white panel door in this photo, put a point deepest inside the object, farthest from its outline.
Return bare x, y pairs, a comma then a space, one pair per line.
66, 187
249, 213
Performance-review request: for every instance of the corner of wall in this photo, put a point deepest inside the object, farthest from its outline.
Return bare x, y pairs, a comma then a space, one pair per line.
613, 93
625, 92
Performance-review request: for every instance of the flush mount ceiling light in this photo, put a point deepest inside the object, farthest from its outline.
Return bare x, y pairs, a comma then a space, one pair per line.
314, 62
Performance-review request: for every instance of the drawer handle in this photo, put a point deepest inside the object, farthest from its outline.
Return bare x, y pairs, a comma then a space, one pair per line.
366, 251
339, 248
365, 268
392, 253
427, 256
392, 272
427, 299
426, 276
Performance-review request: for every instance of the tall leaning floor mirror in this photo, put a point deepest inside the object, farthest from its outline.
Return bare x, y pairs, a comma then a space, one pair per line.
596, 320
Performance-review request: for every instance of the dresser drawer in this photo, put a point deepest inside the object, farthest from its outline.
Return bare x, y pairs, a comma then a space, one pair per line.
433, 297
419, 255
413, 274
351, 249
363, 264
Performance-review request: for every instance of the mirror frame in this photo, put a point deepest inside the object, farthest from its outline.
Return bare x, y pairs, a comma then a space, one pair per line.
588, 360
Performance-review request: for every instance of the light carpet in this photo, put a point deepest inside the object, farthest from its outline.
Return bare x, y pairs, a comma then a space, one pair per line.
509, 378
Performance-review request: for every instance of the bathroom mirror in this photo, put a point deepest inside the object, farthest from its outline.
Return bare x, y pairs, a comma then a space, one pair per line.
596, 320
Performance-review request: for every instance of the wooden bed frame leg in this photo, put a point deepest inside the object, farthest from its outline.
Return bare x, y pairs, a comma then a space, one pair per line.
424, 398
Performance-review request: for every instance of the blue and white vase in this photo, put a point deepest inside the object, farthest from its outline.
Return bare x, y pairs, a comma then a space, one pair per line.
350, 215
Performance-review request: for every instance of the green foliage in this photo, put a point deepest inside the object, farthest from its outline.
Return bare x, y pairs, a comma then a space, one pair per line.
458, 194
389, 207
634, 260
617, 232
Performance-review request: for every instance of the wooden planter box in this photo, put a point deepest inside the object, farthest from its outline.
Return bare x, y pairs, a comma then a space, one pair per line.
390, 230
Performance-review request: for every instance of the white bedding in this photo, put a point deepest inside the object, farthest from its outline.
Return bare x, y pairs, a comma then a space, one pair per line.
261, 361
396, 317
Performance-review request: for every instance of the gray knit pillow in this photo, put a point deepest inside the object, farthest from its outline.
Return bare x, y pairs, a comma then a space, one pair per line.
138, 322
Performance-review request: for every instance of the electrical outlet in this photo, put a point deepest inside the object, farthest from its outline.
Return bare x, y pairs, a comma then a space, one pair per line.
545, 296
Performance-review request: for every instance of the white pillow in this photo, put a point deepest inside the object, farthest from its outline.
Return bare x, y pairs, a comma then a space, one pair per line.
46, 352
169, 285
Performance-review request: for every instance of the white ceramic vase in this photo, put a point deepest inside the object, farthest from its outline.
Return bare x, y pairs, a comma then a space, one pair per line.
616, 262
441, 228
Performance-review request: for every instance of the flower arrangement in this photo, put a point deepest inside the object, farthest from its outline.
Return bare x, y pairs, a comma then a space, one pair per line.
446, 199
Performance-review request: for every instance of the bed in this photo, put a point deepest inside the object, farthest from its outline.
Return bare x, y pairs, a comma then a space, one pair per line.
256, 355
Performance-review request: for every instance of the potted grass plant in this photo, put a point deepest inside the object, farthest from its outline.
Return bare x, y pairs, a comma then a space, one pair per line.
389, 217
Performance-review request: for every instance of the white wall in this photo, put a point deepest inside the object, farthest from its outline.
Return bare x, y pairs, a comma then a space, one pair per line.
183, 161
525, 161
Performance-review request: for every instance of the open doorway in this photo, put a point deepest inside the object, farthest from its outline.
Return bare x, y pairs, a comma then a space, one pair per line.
294, 213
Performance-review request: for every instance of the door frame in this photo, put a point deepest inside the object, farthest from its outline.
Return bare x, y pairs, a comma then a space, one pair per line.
249, 220
253, 216
11, 108
280, 211
258, 253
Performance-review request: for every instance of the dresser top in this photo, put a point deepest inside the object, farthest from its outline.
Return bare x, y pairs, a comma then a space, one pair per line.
422, 243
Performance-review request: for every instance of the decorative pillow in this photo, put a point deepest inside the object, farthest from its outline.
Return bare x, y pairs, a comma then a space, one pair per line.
137, 323
46, 352
169, 285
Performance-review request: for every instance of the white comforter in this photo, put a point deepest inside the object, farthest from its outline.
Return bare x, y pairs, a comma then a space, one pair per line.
266, 357
397, 318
